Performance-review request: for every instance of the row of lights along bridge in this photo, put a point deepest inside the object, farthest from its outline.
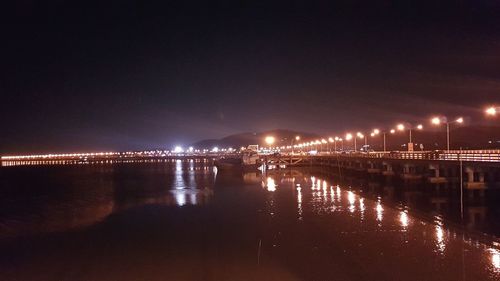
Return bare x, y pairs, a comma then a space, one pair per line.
270, 140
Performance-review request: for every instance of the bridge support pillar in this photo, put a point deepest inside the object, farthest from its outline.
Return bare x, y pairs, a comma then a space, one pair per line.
436, 175
373, 168
410, 172
388, 169
475, 181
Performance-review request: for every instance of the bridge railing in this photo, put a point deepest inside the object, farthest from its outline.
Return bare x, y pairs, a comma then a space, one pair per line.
492, 155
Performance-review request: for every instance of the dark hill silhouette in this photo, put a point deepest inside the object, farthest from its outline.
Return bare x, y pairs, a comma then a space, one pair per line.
283, 137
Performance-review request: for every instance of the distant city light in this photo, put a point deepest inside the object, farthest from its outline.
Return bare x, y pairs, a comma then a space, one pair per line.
270, 140
178, 149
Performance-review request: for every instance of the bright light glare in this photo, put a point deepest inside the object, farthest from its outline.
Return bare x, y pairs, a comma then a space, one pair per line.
400, 127
178, 149
376, 131
393, 131
491, 111
436, 120
360, 135
271, 184
403, 218
420, 126
297, 138
270, 140
348, 136
460, 120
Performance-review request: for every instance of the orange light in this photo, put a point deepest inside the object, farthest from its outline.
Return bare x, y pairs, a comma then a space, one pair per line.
400, 127
491, 111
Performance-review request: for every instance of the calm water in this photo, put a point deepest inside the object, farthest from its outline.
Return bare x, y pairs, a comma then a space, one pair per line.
188, 221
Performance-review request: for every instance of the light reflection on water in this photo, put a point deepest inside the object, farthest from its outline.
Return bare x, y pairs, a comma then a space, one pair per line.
85, 195
323, 200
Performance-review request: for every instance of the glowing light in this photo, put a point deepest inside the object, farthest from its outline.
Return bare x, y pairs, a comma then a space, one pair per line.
270, 140
460, 120
436, 120
392, 131
297, 138
361, 204
215, 149
178, 149
330, 139
492, 111
495, 258
420, 126
271, 184
351, 197
323, 141
337, 139
380, 211
400, 127
348, 136
360, 135
403, 219
376, 131
440, 238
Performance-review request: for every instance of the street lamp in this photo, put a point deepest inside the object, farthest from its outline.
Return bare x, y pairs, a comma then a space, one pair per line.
377, 132
401, 127
348, 137
438, 120
492, 110
323, 141
297, 138
269, 140
359, 135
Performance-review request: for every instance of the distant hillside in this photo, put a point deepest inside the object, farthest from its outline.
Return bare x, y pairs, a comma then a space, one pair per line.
283, 137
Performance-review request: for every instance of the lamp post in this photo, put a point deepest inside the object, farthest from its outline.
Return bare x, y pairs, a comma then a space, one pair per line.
438, 120
348, 137
360, 135
323, 141
331, 140
297, 138
401, 127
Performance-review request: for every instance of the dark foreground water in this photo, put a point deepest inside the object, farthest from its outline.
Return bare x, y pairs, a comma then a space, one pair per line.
186, 221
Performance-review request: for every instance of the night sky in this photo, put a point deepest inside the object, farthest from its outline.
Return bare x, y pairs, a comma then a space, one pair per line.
130, 75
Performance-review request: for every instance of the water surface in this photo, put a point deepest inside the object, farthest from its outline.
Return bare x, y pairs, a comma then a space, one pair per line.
184, 220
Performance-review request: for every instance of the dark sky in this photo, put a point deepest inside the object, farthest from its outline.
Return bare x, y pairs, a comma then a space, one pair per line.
131, 75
